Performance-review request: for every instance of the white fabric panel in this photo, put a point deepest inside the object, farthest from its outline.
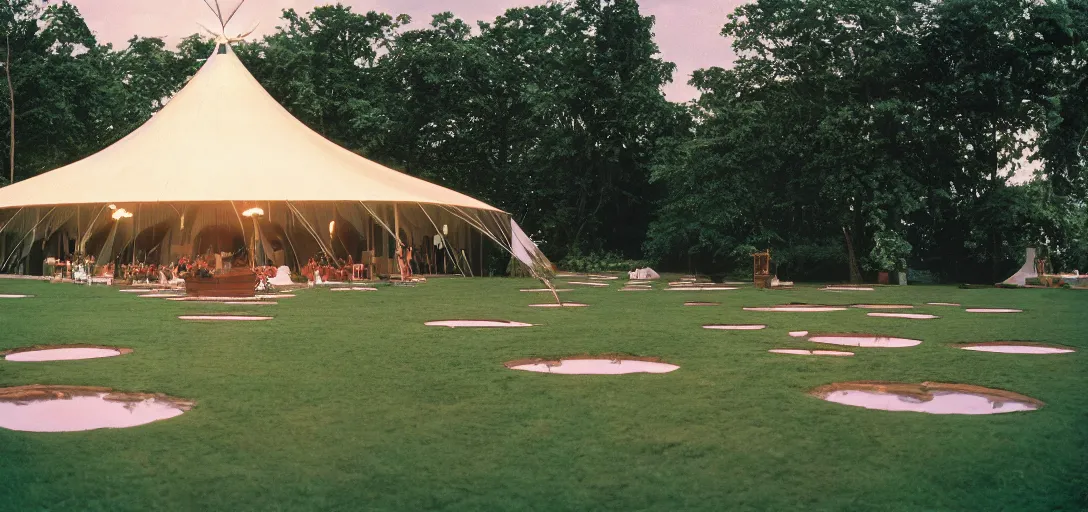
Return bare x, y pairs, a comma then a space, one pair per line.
1026, 272
525, 250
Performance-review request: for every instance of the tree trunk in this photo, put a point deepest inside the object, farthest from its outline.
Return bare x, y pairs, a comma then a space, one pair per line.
11, 105
855, 274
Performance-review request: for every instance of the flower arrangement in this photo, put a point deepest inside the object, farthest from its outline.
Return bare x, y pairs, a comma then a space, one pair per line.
264, 273
140, 272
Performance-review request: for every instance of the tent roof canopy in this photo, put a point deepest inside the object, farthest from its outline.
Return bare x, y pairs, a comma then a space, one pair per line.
224, 138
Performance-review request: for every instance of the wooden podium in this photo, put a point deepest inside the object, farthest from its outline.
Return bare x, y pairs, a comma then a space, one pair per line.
241, 282
761, 269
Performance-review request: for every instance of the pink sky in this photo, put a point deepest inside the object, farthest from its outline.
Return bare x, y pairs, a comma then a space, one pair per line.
687, 31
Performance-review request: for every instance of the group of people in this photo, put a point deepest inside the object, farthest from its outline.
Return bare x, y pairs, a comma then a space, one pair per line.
329, 268
75, 266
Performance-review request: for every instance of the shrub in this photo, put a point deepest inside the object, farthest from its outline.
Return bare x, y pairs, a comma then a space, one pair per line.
599, 262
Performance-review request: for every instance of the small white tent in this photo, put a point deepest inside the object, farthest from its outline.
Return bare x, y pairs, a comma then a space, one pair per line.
1026, 272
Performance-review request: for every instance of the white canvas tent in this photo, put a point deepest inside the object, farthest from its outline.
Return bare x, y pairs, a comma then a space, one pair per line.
223, 146
1026, 272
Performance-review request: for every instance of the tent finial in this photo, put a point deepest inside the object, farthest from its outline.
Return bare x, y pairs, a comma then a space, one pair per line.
221, 36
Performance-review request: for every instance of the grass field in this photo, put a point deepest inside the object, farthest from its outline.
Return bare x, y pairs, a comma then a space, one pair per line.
346, 401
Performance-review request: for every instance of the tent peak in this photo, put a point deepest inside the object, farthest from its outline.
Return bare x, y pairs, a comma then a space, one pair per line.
221, 37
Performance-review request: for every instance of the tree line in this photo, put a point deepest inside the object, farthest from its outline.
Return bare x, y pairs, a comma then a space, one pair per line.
848, 137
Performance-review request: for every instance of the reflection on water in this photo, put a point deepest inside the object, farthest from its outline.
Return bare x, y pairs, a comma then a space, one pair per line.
942, 402
62, 354
82, 413
597, 367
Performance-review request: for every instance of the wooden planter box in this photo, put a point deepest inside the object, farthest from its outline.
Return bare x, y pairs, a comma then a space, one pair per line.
234, 283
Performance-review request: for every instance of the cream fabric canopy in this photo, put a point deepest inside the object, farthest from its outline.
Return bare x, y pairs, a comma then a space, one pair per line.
223, 138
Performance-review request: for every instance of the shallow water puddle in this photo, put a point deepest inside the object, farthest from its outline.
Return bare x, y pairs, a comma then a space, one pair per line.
225, 318
798, 334
563, 305
160, 295
911, 316
213, 299
798, 352
595, 367
701, 288
735, 327
798, 309
942, 303
543, 290
603, 278
928, 397
625, 289
274, 296
702, 303
62, 353
73, 409
476, 323
848, 289
355, 289
587, 284
883, 306
1016, 347
251, 303
993, 310
14, 296
861, 340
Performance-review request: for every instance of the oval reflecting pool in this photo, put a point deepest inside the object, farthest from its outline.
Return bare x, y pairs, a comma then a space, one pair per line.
735, 327
476, 323
224, 318
63, 353
864, 340
909, 316
800, 352
594, 366
790, 308
927, 397
1016, 347
72, 408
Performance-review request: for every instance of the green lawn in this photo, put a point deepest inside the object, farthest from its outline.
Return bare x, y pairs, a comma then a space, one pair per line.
346, 401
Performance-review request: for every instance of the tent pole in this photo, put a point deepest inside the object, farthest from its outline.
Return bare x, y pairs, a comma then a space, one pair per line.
445, 244
396, 235
135, 229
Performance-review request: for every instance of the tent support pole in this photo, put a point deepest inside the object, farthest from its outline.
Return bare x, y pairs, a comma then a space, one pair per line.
445, 242
23, 239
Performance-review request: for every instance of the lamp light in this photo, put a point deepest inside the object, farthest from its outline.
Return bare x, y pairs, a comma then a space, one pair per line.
253, 211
